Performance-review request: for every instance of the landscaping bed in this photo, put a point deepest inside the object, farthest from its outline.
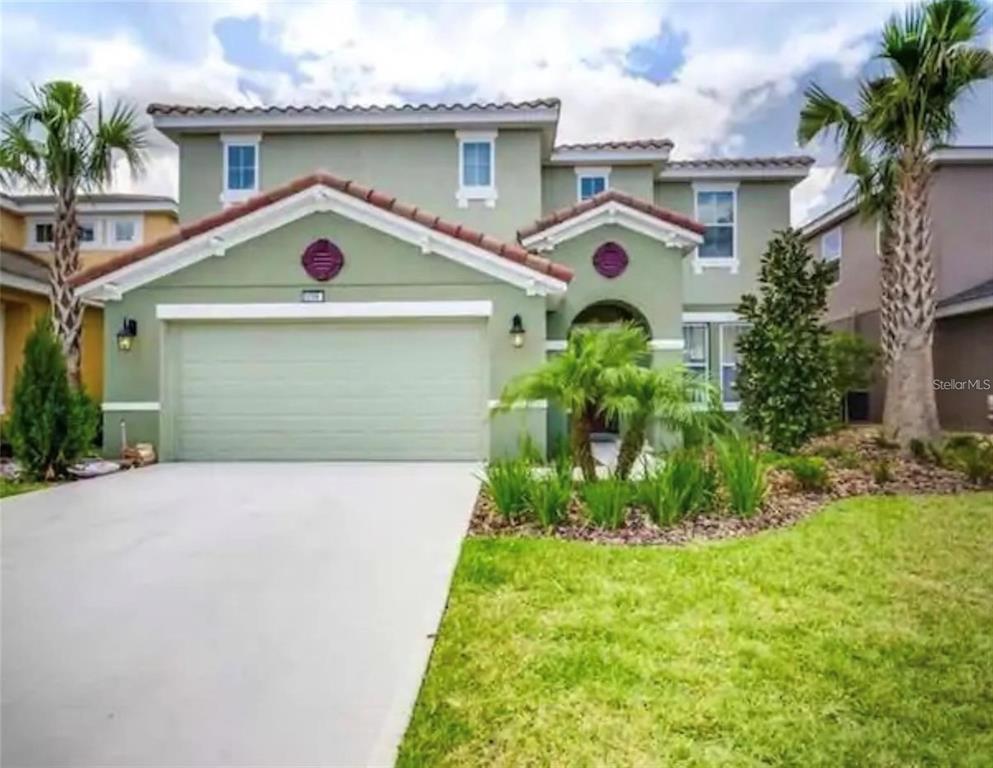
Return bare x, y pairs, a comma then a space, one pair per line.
857, 461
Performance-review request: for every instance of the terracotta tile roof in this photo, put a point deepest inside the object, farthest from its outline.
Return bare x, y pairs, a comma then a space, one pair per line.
626, 144
324, 109
611, 195
721, 163
510, 251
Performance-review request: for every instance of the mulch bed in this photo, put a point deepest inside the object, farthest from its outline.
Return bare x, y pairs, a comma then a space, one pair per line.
784, 505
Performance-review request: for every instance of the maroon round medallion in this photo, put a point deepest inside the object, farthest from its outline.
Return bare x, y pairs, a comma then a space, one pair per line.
322, 260
610, 260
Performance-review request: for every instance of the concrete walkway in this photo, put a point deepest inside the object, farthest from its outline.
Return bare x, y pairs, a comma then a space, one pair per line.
225, 614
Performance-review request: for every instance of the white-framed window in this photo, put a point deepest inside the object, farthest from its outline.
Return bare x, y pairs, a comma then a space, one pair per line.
89, 233
696, 348
729, 333
124, 231
241, 166
591, 181
716, 207
42, 233
831, 250
477, 167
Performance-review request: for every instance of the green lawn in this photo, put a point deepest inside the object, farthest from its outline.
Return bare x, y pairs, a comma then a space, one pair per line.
861, 637
9, 488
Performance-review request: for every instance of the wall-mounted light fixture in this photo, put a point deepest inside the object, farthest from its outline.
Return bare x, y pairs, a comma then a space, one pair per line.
517, 331
125, 336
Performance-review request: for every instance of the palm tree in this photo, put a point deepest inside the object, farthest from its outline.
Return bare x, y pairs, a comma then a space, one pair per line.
50, 142
901, 117
637, 396
577, 381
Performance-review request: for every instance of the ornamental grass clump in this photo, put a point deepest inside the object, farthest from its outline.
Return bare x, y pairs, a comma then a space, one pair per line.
684, 485
507, 482
972, 457
810, 473
606, 502
742, 473
548, 498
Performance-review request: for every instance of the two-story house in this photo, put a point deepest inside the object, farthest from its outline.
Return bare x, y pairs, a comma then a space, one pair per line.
109, 224
961, 200
361, 283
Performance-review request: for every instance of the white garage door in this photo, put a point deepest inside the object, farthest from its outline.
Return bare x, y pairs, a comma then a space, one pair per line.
327, 390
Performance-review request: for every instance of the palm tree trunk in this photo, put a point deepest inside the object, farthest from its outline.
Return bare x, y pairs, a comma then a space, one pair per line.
911, 412
67, 310
582, 451
887, 292
631, 445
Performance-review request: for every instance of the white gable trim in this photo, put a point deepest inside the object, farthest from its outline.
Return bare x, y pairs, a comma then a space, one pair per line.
614, 212
317, 199
325, 311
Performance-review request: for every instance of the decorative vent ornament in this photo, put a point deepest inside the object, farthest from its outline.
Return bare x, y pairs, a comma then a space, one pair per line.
610, 260
322, 260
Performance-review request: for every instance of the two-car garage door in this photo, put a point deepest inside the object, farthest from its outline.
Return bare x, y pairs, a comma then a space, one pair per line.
331, 390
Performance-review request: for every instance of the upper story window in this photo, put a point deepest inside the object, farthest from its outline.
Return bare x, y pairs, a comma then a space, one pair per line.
241, 167
95, 232
591, 181
477, 167
716, 207
44, 233
125, 231
88, 232
831, 250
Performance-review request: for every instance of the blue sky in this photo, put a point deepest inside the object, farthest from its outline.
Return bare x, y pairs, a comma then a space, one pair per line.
718, 78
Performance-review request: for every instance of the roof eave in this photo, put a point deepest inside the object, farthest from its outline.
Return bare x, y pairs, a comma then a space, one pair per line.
656, 157
733, 174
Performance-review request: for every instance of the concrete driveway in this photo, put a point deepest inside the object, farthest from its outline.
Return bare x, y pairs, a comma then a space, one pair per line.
225, 614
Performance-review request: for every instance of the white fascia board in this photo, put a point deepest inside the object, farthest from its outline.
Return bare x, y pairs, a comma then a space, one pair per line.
965, 307
829, 218
318, 199
131, 405
617, 213
21, 283
335, 310
608, 156
161, 206
711, 317
357, 119
962, 155
689, 174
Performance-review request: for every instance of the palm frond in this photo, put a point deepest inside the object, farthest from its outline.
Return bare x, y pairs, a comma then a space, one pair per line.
120, 132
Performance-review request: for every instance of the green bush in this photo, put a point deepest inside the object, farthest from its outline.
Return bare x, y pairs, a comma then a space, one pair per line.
548, 498
507, 482
606, 501
974, 458
809, 472
742, 474
882, 472
51, 425
684, 485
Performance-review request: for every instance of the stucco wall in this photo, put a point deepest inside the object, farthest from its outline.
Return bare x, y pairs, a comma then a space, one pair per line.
267, 269
12, 232
559, 187
763, 208
417, 167
962, 226
857, 289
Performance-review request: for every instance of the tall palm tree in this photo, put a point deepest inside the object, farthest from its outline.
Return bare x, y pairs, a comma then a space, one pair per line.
53, 141
887, 142
637, 396
578, 381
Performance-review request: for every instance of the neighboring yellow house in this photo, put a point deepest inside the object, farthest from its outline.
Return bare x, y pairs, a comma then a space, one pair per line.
109, 225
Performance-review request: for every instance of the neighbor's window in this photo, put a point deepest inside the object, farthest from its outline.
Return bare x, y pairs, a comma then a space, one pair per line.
125, 231
729, 361
477, 166
591, 185
44, 233
831, 250
241, 166
715, 209
88, 232
695, 345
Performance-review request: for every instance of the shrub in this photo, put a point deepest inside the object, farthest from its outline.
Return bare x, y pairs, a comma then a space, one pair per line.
548, 498
742, 474
974, 458
809, 472
507, 482
684, 485
606, 501
852, 362
51, 425
882, 473
786, 377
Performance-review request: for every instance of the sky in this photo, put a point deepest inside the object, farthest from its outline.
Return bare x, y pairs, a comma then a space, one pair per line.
718, 78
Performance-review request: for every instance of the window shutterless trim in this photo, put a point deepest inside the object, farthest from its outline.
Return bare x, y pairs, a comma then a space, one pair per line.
591, 172
229, 140
488, 192
733, 262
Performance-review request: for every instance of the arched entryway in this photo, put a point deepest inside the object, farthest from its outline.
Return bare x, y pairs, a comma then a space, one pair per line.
604, 314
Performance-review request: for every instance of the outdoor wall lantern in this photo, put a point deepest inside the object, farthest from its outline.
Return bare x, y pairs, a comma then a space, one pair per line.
125, 336
517, 331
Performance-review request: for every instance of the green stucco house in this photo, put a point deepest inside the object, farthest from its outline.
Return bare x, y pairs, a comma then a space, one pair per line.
360, 283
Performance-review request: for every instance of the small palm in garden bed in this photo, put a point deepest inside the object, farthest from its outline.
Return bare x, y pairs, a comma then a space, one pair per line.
606, 502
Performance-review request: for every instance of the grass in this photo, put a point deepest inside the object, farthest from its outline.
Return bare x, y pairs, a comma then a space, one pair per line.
861, 637
11, 488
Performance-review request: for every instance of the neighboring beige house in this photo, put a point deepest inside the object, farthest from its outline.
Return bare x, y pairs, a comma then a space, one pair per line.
109, 225
962, 215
